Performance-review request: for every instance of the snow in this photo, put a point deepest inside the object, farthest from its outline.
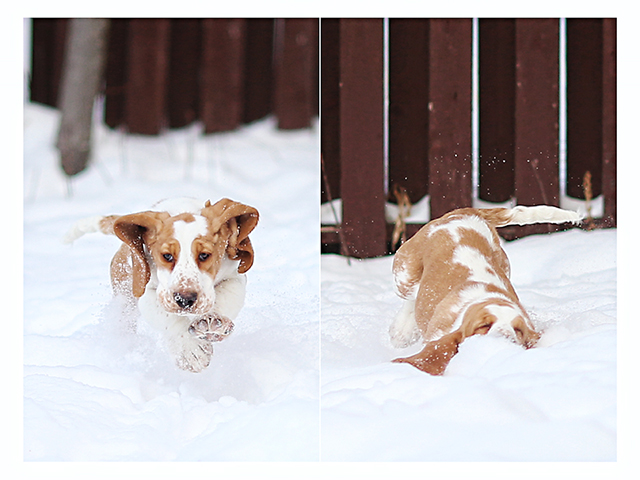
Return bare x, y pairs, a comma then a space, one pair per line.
96, 391
496, 401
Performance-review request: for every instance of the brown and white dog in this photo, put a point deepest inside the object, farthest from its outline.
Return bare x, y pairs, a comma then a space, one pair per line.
184, 262
454, 277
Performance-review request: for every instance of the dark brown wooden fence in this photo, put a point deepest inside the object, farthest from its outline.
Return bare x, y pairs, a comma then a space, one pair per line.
168, 73
430, 118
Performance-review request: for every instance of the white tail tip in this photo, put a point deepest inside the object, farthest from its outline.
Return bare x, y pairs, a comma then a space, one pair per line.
81, 227
522, 215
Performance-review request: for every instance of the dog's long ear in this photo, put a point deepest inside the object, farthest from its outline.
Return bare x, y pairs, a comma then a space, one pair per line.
436, 355
241, 220
135, 230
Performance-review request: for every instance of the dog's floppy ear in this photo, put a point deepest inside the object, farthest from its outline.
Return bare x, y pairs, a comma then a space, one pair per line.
436, 355
241, 219
134, 230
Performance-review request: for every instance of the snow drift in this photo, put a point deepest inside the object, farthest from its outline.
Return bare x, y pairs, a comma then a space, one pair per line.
496, 400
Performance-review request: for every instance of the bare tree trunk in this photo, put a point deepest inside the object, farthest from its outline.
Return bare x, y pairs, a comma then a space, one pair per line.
84, 60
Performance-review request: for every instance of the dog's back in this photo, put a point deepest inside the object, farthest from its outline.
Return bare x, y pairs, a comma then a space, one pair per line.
437, 239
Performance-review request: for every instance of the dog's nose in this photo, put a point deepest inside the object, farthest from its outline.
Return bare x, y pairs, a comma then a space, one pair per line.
185, 299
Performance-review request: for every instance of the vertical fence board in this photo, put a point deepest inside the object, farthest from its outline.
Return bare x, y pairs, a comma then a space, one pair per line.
330, 100
314, 69
315, 74
537, 99
609, 97
222, 74
184, 63
361, 135
147, 82
584, 104
537, 121
294, 97
116, 73
258, 69
48, 41
450, 115
497, 107
409, 106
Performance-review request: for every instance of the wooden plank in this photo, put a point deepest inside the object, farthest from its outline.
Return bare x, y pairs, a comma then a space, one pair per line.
47, 52
330, 127
409, 106
536, 124
184, 64
361, 134
609, 98
584, 104
315, 74
330, 105
450, 115
497, 108
116, 72
294, 96
258, 80
147, 80
222, 81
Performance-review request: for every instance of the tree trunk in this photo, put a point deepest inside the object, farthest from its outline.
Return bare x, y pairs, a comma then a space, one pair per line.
84, 60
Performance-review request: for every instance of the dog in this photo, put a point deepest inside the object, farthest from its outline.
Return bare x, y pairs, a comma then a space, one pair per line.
183, 262
454, 278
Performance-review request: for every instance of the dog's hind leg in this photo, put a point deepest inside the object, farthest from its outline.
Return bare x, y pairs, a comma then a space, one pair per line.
407, 271
404, 329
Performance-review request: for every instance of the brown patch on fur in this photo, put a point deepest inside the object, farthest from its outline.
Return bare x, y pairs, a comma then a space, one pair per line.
496, 217
135, 230
121, 277
239, 220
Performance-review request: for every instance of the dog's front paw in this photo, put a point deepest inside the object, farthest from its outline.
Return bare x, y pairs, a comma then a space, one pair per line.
195, 354
195, 346
213, 328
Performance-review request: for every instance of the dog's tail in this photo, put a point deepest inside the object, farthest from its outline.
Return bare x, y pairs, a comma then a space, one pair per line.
90, 225
521, 215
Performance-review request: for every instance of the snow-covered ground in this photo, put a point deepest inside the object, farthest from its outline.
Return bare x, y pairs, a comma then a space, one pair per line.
496, 401
285, 386
94, 391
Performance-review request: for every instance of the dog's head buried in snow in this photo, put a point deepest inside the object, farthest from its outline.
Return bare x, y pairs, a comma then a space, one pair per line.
454, 277
184, 261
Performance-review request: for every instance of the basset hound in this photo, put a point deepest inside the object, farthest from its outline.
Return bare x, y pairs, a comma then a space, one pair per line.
184, 262
454, 277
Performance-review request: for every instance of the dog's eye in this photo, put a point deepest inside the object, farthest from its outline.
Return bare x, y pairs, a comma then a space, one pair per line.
203, 256
168, 257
